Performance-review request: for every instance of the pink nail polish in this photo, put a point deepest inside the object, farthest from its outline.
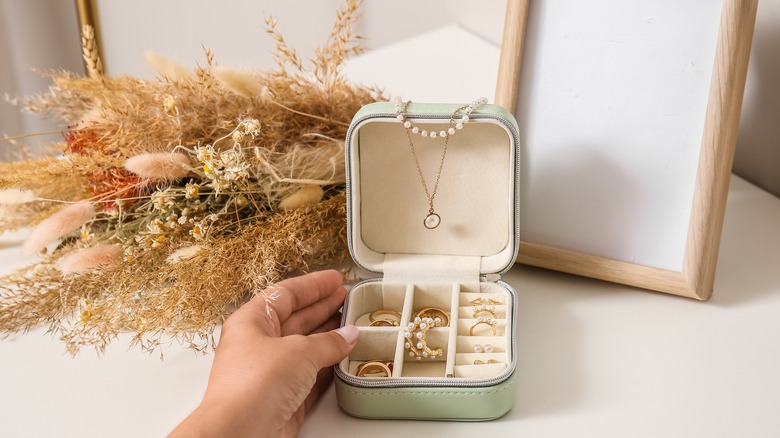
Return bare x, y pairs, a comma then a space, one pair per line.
349, 333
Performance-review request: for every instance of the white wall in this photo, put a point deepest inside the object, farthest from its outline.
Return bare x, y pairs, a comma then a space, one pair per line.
39, 34
234, 29
758, 146
45, 36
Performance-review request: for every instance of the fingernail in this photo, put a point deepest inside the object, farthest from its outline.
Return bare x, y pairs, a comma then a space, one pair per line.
349, 333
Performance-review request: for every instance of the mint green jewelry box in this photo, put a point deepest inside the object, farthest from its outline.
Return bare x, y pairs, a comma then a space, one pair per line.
455, 267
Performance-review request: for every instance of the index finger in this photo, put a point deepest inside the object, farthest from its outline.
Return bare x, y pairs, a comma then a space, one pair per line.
293, 294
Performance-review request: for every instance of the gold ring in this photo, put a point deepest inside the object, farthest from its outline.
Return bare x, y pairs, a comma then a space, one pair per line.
384, 323
480, 301
373, 315
490, 322
439, 316
374, 369
482, 362
483, 308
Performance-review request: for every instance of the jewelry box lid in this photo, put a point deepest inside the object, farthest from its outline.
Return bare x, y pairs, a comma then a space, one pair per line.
397, 179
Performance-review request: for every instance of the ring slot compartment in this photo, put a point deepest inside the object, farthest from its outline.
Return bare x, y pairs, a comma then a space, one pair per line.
436, 337
466, 344
374, 296
479, 371
374, 344
466, 324
467, 312
469, 358
489, 291
437, 295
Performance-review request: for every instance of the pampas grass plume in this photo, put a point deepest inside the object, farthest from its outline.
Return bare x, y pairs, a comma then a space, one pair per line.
159, 165
16, 196
306, 195
243, 83
167, 67
57, 225
100, 256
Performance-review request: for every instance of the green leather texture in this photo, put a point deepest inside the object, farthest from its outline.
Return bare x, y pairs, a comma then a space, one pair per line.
428, 403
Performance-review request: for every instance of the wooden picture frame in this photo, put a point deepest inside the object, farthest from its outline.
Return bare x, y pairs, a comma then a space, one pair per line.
696, 276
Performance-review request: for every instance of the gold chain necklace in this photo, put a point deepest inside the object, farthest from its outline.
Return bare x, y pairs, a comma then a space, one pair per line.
432, 219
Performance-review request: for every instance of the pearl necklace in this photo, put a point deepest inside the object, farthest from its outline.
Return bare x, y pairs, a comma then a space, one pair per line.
400, 109
432, 220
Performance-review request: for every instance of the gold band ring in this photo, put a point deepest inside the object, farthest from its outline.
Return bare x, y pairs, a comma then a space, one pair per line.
384, 323
374, 369
373, 316
439, 316
490, 322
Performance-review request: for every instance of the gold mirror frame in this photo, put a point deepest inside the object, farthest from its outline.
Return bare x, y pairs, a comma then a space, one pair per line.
86, 11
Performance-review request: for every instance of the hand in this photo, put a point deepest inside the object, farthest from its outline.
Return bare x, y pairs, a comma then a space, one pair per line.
273, 360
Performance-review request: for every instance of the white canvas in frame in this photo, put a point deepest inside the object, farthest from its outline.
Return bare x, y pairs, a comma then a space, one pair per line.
628, 114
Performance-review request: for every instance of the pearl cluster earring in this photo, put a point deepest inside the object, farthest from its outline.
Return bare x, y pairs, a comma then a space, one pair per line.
401, 116
415, 338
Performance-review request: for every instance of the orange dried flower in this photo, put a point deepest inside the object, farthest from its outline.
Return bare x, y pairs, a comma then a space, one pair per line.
82, 141
113, 184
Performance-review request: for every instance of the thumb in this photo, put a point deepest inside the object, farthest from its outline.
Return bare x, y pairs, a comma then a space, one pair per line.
326, 349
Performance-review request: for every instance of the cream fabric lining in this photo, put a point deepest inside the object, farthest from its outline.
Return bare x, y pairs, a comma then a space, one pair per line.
386, 344
475, 196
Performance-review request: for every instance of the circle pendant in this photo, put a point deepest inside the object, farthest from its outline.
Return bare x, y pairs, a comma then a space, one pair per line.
432, 221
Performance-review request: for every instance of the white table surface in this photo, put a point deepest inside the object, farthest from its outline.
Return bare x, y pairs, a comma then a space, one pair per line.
595, 359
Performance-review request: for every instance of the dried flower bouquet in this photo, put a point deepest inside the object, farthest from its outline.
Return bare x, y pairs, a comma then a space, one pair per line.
175, 198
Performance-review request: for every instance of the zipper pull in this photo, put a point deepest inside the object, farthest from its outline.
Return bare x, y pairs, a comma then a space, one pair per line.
490, 277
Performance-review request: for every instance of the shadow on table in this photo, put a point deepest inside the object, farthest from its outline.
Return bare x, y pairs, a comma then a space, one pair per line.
549, 345
749, 260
